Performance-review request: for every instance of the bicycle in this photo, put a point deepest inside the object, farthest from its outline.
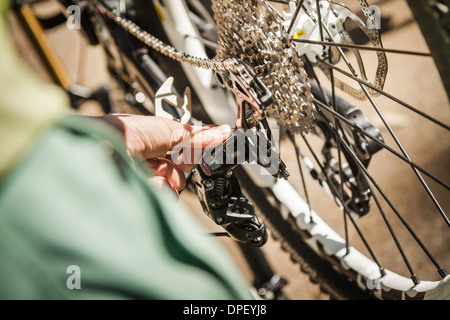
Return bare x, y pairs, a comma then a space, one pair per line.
344, 133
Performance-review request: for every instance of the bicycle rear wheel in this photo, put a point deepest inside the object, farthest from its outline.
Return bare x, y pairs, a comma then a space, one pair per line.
399, 192
356, 158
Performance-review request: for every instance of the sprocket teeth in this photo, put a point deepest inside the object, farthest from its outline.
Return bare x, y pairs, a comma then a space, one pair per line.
250, 31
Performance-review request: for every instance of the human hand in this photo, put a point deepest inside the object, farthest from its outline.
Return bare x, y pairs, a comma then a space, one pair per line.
151, 138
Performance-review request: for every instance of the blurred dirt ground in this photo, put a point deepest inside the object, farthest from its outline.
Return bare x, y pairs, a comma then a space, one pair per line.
412, 79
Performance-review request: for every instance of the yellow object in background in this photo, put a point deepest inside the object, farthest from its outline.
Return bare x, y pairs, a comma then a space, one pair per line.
299, 34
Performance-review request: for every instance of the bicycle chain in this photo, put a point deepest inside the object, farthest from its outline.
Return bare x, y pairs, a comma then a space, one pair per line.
153, 42
262, 44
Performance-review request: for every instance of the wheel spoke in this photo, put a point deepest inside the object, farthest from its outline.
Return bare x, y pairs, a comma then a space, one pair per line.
371, 86
300, 168
344, 205
414, 276
342, 141
441, 270
382, 144
280, 1
392, 134
206, 42
337, 124
294, 17
319, 18
328, 103
361, 47
341, 174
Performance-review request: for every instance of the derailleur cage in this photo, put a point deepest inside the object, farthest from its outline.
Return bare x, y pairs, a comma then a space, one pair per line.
222, 200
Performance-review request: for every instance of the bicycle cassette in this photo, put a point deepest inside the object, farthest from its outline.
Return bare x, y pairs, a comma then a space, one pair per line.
250, 31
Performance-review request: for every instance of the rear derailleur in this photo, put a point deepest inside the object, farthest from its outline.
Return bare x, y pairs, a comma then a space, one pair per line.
217, 186
216, 183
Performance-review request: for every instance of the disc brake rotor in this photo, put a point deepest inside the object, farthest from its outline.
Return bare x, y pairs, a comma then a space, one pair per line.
333, 22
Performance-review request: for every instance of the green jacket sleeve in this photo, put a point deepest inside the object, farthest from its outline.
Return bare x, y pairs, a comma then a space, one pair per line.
78, 200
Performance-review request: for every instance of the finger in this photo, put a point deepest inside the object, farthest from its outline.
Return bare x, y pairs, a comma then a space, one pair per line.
150, 136
188, 153
209, 136
179, 160
162, 135
161, 182
198, 136
164, 168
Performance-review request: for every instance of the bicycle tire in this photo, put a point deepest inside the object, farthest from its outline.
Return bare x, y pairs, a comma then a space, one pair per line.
318, 270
